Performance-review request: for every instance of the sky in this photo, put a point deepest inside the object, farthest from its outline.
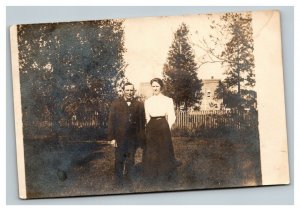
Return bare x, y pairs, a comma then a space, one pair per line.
148, 41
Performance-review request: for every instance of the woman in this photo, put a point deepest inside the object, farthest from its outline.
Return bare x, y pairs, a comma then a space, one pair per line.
159, 160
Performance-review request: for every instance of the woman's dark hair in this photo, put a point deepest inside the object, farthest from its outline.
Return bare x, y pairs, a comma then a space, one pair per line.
157, 80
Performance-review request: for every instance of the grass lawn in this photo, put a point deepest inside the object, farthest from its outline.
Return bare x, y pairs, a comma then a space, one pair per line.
68, 168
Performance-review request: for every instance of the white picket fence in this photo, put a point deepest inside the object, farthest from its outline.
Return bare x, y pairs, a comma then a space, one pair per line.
188, 120
214, 119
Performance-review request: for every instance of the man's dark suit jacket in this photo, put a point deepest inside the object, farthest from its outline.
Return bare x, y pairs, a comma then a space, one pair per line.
127, 123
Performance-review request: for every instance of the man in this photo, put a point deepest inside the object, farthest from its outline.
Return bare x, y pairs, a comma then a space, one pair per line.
126, 131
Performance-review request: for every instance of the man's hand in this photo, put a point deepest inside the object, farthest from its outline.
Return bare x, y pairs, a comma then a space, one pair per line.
113, 143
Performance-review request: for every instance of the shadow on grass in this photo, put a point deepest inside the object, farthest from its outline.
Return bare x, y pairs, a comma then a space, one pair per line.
57, 168
51, 166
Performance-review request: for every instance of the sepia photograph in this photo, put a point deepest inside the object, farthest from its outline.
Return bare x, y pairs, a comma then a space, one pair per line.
154, 104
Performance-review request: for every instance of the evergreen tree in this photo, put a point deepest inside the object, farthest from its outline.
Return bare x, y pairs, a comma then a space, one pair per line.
238, 52
231, 44
180, 76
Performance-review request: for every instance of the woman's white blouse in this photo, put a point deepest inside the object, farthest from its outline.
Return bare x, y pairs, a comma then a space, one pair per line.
160, 105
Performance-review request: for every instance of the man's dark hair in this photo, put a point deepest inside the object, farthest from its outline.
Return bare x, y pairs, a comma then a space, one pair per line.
127, 84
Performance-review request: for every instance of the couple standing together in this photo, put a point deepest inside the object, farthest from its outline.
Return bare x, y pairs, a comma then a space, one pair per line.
133, 125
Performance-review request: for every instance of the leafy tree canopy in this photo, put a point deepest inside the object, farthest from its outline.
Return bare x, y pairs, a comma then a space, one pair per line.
67, 66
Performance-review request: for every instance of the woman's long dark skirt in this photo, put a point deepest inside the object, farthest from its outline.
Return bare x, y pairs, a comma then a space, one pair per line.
159, 162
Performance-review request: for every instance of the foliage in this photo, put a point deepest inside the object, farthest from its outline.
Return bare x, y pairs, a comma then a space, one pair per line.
180, 76
239, 51
70, 68
230, 43
231, 99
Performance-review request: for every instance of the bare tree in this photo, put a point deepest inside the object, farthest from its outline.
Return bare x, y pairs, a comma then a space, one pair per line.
230, 43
